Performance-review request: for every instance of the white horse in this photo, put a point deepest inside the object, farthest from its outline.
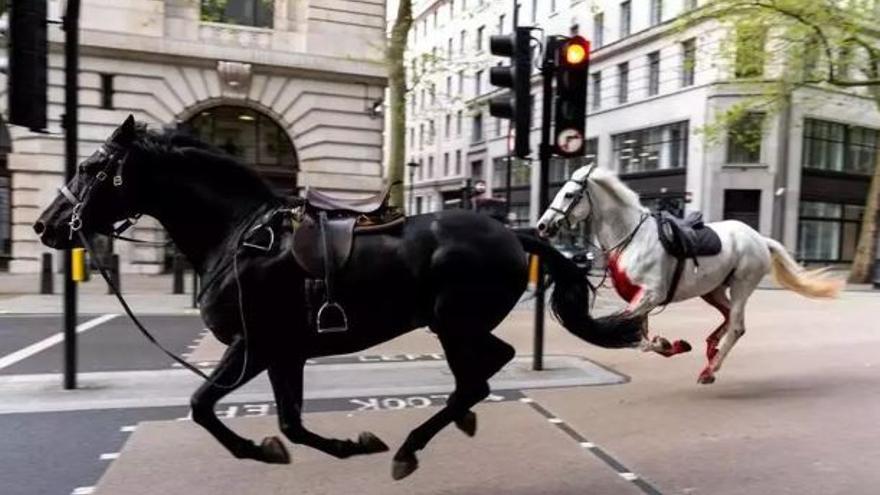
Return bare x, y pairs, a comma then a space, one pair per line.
642, 271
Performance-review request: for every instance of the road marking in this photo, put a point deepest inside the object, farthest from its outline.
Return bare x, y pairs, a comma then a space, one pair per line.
594, 449
83, 490
128, 429
22, 354
109, 456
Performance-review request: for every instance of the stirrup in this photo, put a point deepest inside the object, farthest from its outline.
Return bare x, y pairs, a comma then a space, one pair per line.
336, 314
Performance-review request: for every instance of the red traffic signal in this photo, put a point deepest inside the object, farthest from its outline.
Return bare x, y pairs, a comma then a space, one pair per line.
575, 52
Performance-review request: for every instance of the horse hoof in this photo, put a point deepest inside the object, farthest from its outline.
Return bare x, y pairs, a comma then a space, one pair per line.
403, 466
468, 424
371, 444
706, 379
273, 451
682, 346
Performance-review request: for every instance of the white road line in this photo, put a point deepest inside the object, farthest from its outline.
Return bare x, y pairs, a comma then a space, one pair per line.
629, 476
555, 421
22, 354
109, 456
83, 490
588, 445
128, 429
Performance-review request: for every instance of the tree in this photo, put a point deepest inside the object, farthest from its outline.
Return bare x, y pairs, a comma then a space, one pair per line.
824, 43
397, 99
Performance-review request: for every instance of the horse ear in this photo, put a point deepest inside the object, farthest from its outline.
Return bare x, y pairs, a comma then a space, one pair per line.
126, 132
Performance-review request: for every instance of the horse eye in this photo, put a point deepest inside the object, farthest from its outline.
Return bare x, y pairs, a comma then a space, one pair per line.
569, 195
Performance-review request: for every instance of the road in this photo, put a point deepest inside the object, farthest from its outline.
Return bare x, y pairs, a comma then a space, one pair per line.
794, 410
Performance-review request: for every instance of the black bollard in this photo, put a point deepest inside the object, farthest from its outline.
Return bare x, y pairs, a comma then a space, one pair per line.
177, 268
47, 278
195, 301
114, 274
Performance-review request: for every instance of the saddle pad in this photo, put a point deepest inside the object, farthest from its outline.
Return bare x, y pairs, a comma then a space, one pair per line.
687, 238
707, 242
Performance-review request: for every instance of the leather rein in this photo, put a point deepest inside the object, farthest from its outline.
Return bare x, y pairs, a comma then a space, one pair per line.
76, 223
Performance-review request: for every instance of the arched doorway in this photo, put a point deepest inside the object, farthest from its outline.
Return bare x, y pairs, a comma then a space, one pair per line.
252, 137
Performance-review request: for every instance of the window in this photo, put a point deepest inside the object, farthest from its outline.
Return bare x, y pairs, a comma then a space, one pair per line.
461, 82
479, 41
458, 162
828, 231
445, 164
625, 18
749, 58
448, 87
432, 134
656, 148
421, 136
534, 11
744, 139
447, 130
839, 148
656, 12
478, 81
412, 137
107, 91
599, 30
552, 5
458, 123
653, 73
430, 167
623, 82
597, 90
449, 49
477, 128
421, 169
255, 13
688, 62
499, 128
462, 41
501, 24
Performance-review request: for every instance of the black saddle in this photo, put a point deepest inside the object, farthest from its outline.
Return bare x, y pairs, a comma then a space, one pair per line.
688, 237
324, 238
683, 239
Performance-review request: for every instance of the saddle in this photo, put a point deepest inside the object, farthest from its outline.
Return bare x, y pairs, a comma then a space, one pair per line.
324, 234
684, 239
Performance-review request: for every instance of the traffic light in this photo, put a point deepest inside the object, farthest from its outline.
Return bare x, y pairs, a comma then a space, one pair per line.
25, 68
573, 64
516, 106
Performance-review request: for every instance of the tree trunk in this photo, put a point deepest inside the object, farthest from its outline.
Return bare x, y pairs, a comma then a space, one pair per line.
863, 262
397, 100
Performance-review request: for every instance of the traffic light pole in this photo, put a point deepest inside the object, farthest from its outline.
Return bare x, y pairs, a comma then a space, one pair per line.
545, 151
71, 118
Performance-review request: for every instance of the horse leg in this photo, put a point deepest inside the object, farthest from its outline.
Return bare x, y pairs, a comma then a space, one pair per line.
740, 290
717, 299
472, 363
228, 371
642, 304
287, 383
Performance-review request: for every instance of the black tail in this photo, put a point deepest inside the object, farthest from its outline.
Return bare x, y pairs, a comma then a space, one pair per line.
570, 301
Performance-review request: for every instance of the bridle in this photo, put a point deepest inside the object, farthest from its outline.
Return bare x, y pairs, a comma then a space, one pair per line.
114, 165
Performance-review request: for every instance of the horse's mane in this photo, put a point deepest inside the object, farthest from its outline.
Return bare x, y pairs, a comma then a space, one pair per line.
216, 161
609, 181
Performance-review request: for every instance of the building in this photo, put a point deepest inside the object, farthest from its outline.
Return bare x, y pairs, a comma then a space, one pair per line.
289, 86
653, 87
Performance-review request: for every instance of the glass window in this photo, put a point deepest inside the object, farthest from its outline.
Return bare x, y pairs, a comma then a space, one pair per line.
656, 12
599, 30
839, 148
655, 148
477, 128
623, 82
597, 90
256, 13
625, 18
828, 232
744, 139
750, 55
653, 73
688, 62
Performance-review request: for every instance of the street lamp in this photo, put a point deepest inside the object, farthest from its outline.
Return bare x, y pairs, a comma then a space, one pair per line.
413, 165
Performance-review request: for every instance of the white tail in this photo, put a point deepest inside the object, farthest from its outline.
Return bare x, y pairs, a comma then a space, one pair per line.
789, 274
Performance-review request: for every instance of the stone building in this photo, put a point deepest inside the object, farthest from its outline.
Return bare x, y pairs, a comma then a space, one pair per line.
652, 87
289, 86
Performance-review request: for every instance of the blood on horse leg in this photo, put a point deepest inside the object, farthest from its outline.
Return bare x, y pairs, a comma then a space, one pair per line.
634, 295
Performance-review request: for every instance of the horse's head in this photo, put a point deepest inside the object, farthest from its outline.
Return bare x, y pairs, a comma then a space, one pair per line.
572, 203
93, 200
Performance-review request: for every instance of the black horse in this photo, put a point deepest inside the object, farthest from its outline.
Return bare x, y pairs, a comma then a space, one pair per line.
457, 272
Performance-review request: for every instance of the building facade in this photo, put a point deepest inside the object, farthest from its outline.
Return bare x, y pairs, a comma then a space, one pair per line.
288, 86
653, 90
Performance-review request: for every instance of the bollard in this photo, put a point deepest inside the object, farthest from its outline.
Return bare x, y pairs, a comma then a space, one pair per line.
78, 264
47, 278
114, 274
177, 268
195, 301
